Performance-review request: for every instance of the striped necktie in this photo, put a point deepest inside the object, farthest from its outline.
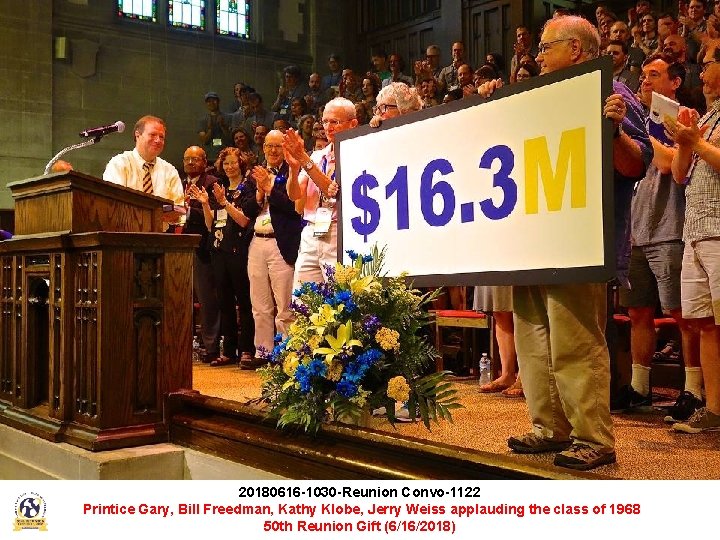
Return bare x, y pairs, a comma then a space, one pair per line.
147, 179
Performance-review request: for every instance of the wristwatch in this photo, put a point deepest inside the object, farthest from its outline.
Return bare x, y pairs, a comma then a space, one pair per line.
618, 131
309, 165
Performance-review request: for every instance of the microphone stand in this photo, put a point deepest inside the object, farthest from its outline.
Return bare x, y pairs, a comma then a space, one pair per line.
64, 151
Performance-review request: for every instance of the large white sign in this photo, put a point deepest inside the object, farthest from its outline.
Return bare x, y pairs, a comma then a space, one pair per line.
502, 191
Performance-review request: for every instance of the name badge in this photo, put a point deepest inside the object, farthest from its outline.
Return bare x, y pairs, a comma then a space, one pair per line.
323, 218
217, 142
221, 218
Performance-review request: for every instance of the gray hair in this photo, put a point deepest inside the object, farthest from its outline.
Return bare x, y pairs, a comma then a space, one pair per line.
347, 106
405, 97
572, 26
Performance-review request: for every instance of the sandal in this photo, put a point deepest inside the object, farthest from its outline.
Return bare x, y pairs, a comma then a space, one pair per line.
493, 387
246, 357
514, 391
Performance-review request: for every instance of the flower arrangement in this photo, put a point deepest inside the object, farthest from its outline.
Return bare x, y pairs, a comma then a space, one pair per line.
355, 346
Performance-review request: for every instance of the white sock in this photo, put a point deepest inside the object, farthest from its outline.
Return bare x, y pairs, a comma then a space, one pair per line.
694, 381
641, 379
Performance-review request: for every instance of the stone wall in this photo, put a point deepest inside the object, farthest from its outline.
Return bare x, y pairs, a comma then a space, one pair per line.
118, 69
25, 91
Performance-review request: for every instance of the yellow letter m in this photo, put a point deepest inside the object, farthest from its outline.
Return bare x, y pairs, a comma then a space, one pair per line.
571, 155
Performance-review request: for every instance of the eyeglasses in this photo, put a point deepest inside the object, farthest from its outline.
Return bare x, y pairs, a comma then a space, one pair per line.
383, 107
190, 159
332, 122
544, 47
273, 146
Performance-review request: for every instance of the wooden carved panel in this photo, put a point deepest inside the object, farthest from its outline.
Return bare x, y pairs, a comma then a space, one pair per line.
147, 322
17, 336
7, 317
147, 325
147, 277
86, 334
56, 330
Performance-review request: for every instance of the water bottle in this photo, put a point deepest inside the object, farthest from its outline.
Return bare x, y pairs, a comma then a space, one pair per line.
195, 349
485, 370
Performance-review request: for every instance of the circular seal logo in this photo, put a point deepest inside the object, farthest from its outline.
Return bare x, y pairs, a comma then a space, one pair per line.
30, 512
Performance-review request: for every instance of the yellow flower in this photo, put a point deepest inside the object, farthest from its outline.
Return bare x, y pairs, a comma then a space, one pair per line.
290, 364
324, 317
297, 327
337, 343
344, 274
360, 399
314, 341
387, 338
360, 285
398, 389
335, 370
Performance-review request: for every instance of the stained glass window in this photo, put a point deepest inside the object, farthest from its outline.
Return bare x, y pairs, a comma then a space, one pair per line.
233, 18
144, 10
187, 14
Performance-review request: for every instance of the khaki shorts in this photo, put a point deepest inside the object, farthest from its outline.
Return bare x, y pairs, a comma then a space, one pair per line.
700, 280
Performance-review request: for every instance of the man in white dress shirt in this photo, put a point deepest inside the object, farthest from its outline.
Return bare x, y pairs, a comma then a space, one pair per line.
142, 169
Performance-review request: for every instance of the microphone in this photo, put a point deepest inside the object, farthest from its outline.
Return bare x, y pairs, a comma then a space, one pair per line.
104, 130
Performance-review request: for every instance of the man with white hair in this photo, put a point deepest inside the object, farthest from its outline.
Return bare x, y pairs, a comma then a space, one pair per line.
560, 329
315, 189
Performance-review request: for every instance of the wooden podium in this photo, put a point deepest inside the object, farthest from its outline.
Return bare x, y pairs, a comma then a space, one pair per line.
95, 313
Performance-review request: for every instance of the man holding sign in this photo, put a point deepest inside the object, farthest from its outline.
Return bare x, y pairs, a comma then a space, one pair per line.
559, 329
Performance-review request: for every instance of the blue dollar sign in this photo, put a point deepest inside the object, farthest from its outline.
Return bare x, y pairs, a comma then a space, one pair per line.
370, 219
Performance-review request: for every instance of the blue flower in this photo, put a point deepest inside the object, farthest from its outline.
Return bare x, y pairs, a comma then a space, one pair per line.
347, 389
354, 372
279, 349
302, 376
278, 338
343, 297
351, 254
307, 287
317, 367
367, 258
370, 356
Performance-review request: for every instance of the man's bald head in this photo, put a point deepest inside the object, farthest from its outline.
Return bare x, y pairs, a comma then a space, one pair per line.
194, 161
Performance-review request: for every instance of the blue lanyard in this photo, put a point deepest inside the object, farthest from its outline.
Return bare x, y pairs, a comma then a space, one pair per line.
324, 165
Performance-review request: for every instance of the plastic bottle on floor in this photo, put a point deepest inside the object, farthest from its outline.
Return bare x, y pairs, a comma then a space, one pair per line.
485, 370
195, 349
